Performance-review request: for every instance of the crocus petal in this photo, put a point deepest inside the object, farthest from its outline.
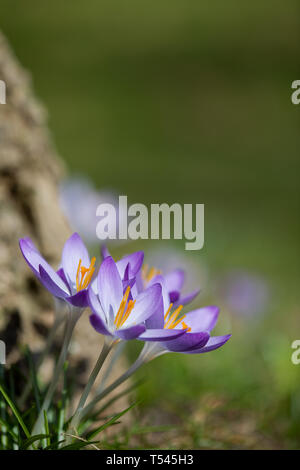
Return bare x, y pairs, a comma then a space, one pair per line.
187, 298
30, 243
159, 279
110, 288
139, 284
34, 260
126, 273
94, 285
135, 261
160, 334
80, 299
202, 319
130, 333
174, 280
99, 325
73, 251
156, 320
32, 257
94, 304
51, 285
62, 275
129, 283
214, 342
146, 304
187, 342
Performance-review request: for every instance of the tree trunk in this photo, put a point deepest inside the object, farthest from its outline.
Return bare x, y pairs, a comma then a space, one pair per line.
30, 171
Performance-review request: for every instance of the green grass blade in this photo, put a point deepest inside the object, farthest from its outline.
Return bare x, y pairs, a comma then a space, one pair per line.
4, 428
62, 407
34, 381
16, 431
15, 412
31, 440
94, 415
46, 423
4, 425
55, 445
108, 423
79, 445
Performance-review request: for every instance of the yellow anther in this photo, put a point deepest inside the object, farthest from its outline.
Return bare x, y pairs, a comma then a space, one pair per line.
128, 311
148, 275
84, 275
151, 274
185, 326
177, 322
120, 313
168, 311
77, 275
171, 323
144, 271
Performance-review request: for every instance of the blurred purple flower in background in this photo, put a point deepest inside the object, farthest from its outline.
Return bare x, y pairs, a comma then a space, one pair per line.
168, 260
244, 293
79, 200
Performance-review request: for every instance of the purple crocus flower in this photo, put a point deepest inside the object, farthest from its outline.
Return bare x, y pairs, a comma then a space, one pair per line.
131, 266
195, 326
70, 282
174, 282
121, 314
128, 268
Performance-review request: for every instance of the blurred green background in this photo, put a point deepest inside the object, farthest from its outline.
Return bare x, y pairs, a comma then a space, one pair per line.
190, 102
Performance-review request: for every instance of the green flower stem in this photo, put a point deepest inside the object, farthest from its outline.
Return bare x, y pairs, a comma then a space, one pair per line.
73, 317
142, 359
112, 360
107, 346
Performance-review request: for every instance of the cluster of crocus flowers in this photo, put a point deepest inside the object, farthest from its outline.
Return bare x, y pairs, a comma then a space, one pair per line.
127, 301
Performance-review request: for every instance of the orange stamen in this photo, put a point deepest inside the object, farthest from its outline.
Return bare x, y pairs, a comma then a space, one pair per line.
151, 274
144, 271
185, 326
172, 320
85, 275
89, 273
177, 322
77, 275
148, 275
168, 311
120, 313
128, 311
